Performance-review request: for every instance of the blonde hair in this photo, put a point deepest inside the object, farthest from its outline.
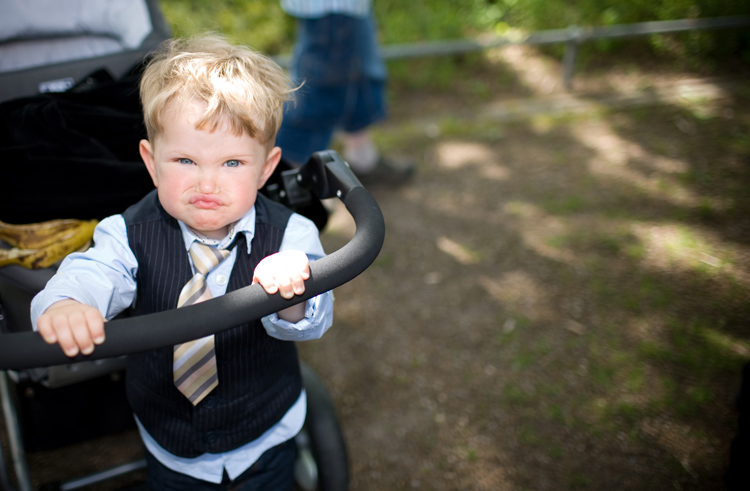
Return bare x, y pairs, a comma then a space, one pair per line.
236, 83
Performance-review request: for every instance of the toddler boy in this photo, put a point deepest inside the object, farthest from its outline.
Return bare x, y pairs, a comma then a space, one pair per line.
220, 412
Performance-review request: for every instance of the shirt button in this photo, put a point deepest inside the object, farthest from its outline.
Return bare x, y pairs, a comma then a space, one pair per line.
221, 280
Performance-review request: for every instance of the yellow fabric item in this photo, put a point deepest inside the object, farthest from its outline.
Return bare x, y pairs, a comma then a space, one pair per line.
40, 245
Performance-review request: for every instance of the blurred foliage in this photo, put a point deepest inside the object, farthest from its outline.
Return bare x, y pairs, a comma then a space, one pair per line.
257, 23
263, 25
692, 47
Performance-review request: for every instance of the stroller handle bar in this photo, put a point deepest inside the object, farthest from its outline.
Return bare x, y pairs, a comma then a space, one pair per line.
325, 175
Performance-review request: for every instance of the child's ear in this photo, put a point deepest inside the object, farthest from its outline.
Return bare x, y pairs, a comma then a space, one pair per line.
272, 160
147, 154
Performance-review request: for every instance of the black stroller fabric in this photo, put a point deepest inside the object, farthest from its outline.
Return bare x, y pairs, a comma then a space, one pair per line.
73, 154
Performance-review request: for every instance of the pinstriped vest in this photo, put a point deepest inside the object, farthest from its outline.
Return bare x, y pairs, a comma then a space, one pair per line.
259, 376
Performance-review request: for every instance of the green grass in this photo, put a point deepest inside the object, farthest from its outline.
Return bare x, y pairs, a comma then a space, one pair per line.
515, 396
695, 346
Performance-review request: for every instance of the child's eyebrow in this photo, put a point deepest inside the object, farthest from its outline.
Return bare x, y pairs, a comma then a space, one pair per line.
239, 156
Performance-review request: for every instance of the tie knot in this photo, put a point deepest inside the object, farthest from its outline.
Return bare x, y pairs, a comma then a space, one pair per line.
205, 258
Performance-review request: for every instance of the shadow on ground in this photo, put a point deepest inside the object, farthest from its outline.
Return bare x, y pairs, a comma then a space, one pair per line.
561, 301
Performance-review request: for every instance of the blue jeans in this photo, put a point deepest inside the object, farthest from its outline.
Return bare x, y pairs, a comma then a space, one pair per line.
336, 57
273, 471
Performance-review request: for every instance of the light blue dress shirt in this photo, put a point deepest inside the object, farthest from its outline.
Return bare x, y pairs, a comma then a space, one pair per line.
105, 277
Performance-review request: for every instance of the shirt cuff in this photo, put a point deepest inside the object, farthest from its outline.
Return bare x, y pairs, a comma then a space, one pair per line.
44, 300
318, 318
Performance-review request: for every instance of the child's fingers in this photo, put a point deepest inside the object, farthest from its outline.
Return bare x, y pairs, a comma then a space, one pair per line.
298, 284
284, 272
298, 273
269, 285
286, 288
81, 333
74, 326
291, 286
44, 327
65, 336
96, 325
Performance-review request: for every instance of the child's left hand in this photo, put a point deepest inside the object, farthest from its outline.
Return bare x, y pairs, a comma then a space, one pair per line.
284, 272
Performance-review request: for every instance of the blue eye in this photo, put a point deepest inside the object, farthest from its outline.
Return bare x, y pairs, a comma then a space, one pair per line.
185, 161
232, 163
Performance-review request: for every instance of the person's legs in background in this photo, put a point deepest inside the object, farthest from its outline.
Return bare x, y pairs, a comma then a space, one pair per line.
336, 59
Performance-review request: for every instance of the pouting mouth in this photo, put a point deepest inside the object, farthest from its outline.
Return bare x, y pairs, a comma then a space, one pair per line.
205, 201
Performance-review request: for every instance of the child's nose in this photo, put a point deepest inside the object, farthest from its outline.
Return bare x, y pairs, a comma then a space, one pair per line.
207, 182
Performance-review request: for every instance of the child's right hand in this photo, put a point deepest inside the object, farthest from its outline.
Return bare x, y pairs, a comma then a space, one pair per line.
73, 325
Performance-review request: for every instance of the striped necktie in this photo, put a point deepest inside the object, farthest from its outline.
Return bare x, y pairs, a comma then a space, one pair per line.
194, 366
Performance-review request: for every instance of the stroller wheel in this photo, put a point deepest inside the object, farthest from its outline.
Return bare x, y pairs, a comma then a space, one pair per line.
322, 460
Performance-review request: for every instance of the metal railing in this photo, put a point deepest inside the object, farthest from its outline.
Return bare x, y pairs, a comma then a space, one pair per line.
572, 36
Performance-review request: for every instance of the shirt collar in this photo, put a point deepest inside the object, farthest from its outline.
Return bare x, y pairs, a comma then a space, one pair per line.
245, 225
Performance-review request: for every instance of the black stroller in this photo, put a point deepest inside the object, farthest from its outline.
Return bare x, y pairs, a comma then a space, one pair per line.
35, 376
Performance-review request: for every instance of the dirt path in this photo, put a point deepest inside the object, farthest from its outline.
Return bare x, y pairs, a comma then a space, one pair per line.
561, 301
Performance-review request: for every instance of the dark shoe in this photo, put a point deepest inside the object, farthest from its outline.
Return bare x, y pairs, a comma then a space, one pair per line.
388, 171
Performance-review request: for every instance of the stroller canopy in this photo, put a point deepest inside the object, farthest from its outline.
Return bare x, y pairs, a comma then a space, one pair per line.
52, 45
